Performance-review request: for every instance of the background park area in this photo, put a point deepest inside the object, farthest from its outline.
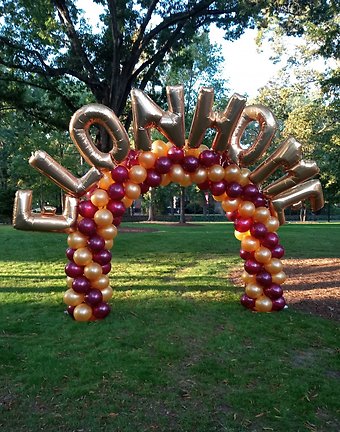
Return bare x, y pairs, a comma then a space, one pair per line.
178, 352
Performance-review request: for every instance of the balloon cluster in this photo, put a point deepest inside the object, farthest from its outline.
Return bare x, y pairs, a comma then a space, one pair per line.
102, 209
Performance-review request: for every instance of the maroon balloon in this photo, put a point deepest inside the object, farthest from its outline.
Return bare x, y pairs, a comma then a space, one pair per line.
270, 240
217, 188
70, 253
87, 226
81, 284
250, 192
176, 155
232, 216
243, 224
190, 164
278, 304
247, 302
234, 190
204, 186
117, 208
245, 255
120, 174
73, 270
258, 230
153, 178
208, 158
278, 251
251, 266
102, 310
144, 188
117, 221
274, 291
163, 165
94, 297
132, 158
70, 310
106, 268
259, 201
87, 209
264, 278
103, 257
96, 243
116, 191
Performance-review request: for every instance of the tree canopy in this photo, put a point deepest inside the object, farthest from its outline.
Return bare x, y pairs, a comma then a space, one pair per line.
50, 55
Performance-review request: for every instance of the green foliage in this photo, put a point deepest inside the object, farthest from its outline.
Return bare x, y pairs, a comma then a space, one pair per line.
177, 352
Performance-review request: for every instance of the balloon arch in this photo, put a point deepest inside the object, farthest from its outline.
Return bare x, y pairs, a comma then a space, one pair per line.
95, 203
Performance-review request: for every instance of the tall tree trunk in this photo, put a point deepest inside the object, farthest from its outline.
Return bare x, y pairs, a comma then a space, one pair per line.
182, 206
152, 211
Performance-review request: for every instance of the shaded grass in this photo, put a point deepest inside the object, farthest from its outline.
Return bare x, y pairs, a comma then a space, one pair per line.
177, 353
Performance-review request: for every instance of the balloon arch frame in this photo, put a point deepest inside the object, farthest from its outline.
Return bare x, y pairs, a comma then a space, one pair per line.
95, 203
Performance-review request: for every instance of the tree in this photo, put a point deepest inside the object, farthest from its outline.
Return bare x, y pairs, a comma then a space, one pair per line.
48, 46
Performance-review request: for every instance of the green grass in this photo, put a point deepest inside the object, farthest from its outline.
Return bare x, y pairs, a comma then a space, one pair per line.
177, 353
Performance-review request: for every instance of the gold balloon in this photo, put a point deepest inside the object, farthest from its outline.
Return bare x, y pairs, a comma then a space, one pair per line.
147, 114
286, 155
159, 148
274, 266
250, 244
108, 244
311, 189
199, 176
147, 159
192, 152
100, 198
166, 180
241, 235
108, 232
216, 173
186, 180
272, 224
231, 204
132, 190
261, 214
268, 125
263, 304
46, 165
82, 256
101, 115
300, 172
72, 298
244, 177
69, 281
106, 181
246, 209
220, 198
100, 283
24, 219
127, 202
76, 240
253, 290
263, 255
82, 312
248, 278
92, 271
137, 174
107, 293
176, 173
103, 217
232, 173
279, 278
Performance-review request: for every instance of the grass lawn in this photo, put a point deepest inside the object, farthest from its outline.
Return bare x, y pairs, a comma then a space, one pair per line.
177, 353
